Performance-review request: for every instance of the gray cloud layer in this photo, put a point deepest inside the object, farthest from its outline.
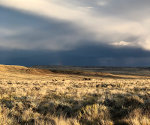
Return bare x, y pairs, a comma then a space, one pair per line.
64, 26
117, 20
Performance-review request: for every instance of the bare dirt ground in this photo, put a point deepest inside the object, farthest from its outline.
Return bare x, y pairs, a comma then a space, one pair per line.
40, 97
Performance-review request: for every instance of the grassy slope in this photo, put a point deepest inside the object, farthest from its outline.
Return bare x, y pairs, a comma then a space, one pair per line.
36, 97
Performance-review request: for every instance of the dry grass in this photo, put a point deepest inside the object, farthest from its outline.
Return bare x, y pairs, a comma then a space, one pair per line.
39, 97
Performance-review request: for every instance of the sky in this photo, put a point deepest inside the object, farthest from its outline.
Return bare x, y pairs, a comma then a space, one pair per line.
75, 32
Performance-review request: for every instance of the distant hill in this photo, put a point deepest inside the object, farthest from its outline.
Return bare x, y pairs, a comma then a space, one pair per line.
89, 70
107, 72
22, 70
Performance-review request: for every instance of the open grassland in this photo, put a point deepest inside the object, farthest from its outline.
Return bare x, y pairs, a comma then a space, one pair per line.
41, 97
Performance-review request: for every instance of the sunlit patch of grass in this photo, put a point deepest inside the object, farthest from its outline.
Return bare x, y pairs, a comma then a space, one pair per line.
94, 115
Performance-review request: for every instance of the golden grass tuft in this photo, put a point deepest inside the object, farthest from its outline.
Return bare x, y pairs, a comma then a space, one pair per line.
95, 115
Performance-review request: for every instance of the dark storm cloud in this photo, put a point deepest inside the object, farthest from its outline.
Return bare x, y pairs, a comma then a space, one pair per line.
98, 32
35, 32
83, 55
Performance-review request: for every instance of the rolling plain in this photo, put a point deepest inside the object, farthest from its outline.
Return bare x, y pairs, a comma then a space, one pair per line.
43, 96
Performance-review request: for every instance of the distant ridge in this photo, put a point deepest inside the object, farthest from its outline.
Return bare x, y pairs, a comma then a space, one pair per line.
98, 70
22, 70
125, 73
